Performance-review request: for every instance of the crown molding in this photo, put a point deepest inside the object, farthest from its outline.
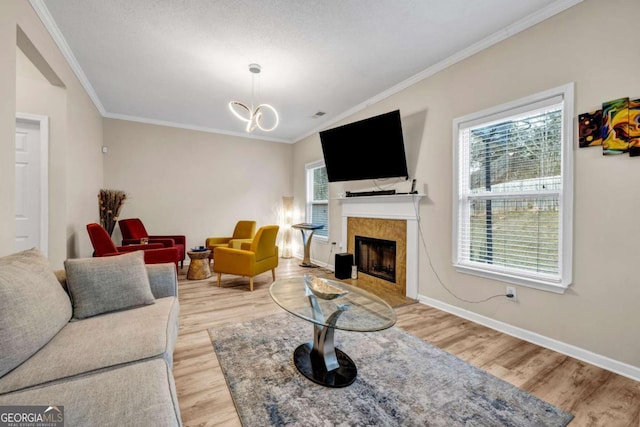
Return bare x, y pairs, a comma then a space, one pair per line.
47, 20
193, 127
505, 33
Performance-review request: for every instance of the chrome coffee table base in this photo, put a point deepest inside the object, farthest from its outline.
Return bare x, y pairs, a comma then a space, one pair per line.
319, 360
312, 366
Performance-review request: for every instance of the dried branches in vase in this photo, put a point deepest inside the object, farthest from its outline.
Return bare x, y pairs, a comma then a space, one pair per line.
110, 202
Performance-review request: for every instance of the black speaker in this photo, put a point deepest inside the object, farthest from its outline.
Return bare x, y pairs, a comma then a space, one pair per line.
343, 265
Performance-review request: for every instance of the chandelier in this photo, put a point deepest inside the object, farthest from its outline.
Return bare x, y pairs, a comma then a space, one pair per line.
252, 116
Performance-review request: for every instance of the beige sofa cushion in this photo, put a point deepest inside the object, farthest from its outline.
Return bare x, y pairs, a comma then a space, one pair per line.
33, 307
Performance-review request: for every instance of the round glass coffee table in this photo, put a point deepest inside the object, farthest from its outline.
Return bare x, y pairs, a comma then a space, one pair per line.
330, 305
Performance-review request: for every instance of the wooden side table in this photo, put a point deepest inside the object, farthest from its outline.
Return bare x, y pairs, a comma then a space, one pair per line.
199, 265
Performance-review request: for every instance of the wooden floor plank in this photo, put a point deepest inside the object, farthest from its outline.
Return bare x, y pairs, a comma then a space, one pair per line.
596, 397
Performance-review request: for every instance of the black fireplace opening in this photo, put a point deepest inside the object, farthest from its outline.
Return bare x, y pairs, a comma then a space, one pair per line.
376, 257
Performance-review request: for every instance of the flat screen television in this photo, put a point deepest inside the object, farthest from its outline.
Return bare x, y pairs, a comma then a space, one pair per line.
368, 149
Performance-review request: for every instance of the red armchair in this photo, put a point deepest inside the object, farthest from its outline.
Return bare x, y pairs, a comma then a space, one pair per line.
133, 230
154, 253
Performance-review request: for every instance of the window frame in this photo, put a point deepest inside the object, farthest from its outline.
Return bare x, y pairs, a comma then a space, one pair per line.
565, 232
309, 168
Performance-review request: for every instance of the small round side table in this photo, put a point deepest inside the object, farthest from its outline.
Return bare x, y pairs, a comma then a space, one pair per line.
199, 265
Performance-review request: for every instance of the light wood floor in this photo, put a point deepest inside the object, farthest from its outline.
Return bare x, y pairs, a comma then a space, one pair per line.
596, 397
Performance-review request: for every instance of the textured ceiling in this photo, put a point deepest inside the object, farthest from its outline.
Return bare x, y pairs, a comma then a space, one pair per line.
180, 62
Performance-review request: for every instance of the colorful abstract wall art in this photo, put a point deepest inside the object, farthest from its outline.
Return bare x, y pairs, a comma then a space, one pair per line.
615, 126
590, 129
634, 127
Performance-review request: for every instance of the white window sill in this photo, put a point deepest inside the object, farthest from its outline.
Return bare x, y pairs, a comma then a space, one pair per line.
320, 239
542, 285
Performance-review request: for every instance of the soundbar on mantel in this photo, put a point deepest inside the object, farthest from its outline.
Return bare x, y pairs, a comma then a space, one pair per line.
369, 193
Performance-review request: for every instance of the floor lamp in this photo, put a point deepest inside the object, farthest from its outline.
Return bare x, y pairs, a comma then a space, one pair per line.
287, 217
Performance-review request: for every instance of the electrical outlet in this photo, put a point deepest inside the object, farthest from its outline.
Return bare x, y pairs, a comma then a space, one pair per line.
511, 290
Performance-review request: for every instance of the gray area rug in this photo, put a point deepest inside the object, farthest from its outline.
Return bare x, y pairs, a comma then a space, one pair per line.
402, 381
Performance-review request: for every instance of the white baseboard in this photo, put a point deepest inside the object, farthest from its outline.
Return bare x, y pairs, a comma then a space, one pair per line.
587, 356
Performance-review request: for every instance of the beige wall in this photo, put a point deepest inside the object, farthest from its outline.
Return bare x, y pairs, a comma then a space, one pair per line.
592, 45
7, 123
194, 183
75, 170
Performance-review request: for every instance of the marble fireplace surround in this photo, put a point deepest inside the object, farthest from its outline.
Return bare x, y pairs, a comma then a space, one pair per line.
372, 211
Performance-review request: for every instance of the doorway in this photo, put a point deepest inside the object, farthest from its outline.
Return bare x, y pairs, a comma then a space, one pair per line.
31, 182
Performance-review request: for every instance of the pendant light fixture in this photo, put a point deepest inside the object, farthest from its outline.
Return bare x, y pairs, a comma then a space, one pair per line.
254, 117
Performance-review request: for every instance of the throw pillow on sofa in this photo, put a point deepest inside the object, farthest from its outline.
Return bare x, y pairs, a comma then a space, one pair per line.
33, 307
106, 284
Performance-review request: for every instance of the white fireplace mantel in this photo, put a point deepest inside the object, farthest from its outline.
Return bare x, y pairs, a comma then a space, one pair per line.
396, 206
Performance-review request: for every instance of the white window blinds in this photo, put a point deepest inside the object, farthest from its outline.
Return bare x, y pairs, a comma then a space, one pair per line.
511, 192
318, 198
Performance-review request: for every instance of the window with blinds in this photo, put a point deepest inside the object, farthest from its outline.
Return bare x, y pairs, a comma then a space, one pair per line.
514, 183
318, 197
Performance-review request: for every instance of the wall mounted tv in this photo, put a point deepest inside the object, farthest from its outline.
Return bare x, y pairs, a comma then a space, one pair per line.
368, 149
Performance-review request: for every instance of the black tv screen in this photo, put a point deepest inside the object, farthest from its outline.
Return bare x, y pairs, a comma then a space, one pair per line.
368, 149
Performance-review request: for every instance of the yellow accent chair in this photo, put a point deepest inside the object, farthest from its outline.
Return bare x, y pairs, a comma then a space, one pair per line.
255, 257
243, 233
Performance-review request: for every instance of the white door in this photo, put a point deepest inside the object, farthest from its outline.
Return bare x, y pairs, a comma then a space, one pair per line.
30, 225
